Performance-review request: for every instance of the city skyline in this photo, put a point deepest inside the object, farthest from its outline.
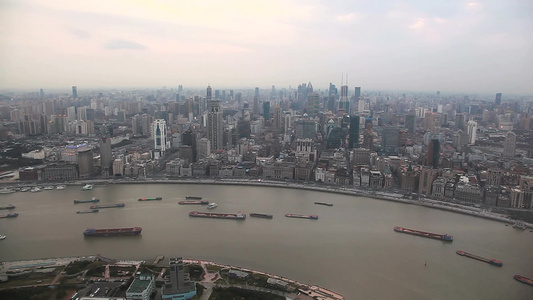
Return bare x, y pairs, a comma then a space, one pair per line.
475, 47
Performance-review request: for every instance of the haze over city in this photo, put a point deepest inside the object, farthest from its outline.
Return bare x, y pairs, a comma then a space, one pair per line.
451, 46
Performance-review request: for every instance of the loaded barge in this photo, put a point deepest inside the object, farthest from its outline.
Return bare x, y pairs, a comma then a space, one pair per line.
10, 215
193, 198
150, 199
324, 203
259, 215
113, 231
523, 279
89, 211
93, 200
107, 206
194, 202
311, 217
438, 236
10, 206
237, 216
491, 261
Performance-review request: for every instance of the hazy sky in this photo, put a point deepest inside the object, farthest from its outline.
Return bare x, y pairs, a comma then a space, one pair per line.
430, 45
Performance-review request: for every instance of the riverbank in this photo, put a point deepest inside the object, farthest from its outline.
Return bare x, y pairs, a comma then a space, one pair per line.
388, 196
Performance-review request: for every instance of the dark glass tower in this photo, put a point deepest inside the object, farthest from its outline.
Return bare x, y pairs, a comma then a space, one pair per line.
354, 132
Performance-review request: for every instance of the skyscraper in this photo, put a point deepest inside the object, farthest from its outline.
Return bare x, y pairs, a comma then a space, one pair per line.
354, 132
215, 129
266, 110
74, 92
410, 123
106, 156
433, 154
85, 163
277, 120
344, 103
209, 95
472, 132
509, 145
160, 137
357, 94
498, 100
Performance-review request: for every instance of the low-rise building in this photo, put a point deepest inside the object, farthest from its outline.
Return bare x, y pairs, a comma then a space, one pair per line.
141, 288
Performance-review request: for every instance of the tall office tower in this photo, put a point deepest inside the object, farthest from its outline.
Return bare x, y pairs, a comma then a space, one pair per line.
160, 137
82, 113
74, 92
178, 285
136, 125
498, 100
472, 132
256, 94
203, 148
357, 94
509, 145
217, 94
313, 100
85, 163
335, 138
344, 102
266, 110
301, 96
390, 139
433, 154
215, 128
209, 96
256, 106
41, 94
71, 114
106, 156
277, 119
425, 183
354, 132
146, 125
188, 138
273, 93
410, 123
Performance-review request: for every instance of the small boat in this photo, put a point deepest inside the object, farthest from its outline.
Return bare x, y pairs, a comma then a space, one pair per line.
6, 191
212, 205
193, 198
87, 187
93, 200
10, 215
10, 206
491, 261
310, 217
25, 189
61, 187
151, 199
89, 211
107, 206
523, 279
2, 237
193, 202
260, 215
48, 188
519, 225
35, 189
324, 203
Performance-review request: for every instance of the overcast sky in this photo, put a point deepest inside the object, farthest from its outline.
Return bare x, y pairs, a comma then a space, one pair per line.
429, 45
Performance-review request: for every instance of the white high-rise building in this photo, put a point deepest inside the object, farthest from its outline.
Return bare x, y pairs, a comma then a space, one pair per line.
160, 137
509, 145
472, 131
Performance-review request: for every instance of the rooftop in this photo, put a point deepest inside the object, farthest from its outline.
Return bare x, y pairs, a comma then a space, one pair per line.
140, 283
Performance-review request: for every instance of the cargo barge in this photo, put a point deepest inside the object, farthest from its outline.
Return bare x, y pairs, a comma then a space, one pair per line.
259, 215
324, 203
108, 206
93, 200
523, 279
10, 215
151, 199
237, 216
113, 231
10, 206
193, 198
438, 236
310, 217
89, 211
194, 202
491, 261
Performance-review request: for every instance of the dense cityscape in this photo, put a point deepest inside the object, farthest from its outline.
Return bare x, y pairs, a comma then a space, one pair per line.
457, 148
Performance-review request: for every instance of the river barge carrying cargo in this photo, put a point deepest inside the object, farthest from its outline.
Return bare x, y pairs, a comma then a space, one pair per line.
151, 199
491, 261
93, 200
113, 231
108, 206
193, 198
311, 217
89, 211
10, 215
438, 236
237, 216
10, 206
260, 215
324, 203
523, 279
194, 202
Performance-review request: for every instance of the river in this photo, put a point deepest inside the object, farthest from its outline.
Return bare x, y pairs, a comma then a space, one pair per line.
351, 249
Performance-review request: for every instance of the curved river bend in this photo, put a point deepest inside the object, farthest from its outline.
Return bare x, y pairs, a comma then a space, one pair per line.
351, 249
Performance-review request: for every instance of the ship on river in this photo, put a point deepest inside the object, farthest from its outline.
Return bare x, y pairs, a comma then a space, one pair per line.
108, 206
324, 203
491, 261
89, 211
194, 202
10, 206
151, 199
10, 215
237, 216
93, 200
261, 215
193, 198
113, 231
310, 217
438, 236
523, 279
